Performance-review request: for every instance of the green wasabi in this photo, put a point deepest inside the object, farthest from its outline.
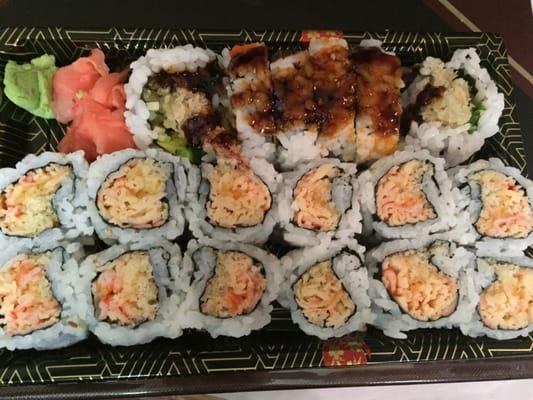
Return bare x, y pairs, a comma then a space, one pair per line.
29, 85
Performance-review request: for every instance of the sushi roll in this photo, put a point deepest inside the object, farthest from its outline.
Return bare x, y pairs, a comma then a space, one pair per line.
250, 95
232, 287
319, 200
405, 195
39, 307
171, 94
498, 202
42, 200
132, 292
232, 198
420, 283
503, 290
451, 108
379, 109
326, 288
134, 195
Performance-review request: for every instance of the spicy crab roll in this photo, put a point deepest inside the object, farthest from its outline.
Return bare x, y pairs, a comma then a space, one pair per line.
131, 292
232, 198
451, 108
503, 289
319, 200
326, 288
42, 199
134, 195
169, 93
232, 287
406, 195
420, 283
379, 80
38, 304
499, 205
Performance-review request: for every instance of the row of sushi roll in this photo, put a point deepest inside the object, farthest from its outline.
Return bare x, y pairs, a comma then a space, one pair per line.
299, 149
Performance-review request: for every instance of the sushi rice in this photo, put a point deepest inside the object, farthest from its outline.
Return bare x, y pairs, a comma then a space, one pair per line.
60, 263
199, 267
346, 258
164, 259
456, 143
435, 187
68, 202
175, 190
344, 189
455, 262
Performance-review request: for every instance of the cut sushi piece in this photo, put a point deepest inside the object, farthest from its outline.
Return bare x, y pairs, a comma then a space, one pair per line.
37, 302
232, 199
134, 195
420, 283
172, 99
318, 201
251, 97
406, 195
132, 292
326, 288
503, 289
42, 200
233, 286
451, 108
379, 80
498, 202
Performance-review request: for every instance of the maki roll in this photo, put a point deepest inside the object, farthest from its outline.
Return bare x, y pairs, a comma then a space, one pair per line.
232, 287
133, 195
451, 108
379, 80
503, 290
39, 307
131, 293
318, 200
406, 195
42, 200
326, 288
420, 283
232, 198
498, 202
170, 93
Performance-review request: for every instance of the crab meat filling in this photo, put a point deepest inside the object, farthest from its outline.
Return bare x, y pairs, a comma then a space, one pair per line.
235, 288
322, 298
27, 302
125, 292
26, 206
508, 302
400, 197
237, 197
419, 288
313, 199
506, 211
135, 195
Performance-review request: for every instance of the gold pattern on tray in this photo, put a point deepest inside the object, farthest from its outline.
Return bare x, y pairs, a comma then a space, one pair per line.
196, 353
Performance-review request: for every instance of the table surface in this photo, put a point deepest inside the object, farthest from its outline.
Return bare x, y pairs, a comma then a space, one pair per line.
406, 15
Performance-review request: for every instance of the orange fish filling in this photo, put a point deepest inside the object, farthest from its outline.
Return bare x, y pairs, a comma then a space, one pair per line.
419, 288
27, 302
26, 207
322, 298
235, 288
312, 195
508, 302
237, 197
400, 198
125, 292
134, 196
506, 211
